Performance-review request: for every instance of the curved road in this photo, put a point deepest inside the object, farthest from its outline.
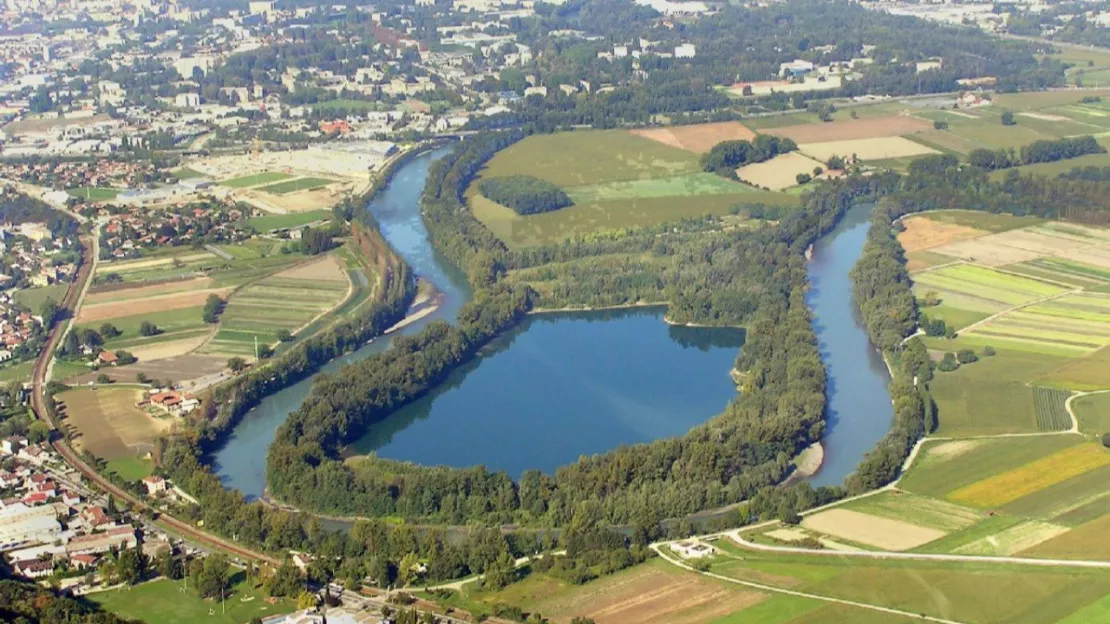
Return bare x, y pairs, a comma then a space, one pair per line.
73, 295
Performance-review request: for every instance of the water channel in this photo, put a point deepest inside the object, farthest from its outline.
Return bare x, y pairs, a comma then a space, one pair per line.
562, 385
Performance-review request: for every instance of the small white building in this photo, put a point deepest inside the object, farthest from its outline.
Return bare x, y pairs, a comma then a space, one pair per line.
187, 100
692, 550
685, 50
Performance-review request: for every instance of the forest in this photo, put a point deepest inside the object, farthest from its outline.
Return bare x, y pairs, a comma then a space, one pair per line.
27, 603
726, 156
1036, 152
524, 194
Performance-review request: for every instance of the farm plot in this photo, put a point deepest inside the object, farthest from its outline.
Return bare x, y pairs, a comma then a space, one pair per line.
1063, 271
1051, 414
1087, 541
1073, 325
1069, 503
1093, 412
921, 233
697, 138
852, 129
880, 532
1028, 244
296, 184
108, 424
939, 471
1009, 486
287, 301
146, 300
982, 289
866, 149
1012, 540
617, 180
920, 511
652, 592
780, 172
180, 264
256, 179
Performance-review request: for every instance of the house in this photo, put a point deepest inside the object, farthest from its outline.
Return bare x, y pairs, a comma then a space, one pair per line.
70, 499
107, 357
692, 550
118, 538
94, 516
338, 126
34, 568
83, 561
12, 444
154, 484
32, 453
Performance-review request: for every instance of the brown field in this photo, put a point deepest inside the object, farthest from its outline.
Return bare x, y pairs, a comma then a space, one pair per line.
145, 305
699, 138
778, 173
299, 201
324, 269
1027, 244
107, 422
172, 348
129, 290
923, 233
871, 530
879, 148
649, 594
849, 129
132, 265
1086, 541
176, 369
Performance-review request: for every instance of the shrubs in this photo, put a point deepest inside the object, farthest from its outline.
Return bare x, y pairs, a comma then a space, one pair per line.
966, 356
948, 363
728, 155
988, 351
525, 194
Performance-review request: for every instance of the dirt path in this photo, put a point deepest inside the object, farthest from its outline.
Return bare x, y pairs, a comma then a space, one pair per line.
801, 594
1071, 412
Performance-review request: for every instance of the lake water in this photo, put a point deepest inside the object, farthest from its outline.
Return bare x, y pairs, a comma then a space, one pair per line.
563, 385
859, 410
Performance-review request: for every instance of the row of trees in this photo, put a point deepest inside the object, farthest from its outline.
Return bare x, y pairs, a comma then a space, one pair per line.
1049, 150
525, 194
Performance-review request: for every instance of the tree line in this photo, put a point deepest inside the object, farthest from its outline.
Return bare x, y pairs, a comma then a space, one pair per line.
726, 156
524, 194
1047, 150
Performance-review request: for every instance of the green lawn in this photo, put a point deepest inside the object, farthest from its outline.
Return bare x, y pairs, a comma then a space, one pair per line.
165, 602
33, 297
93, 193
174, 325
1058, 167
780, 609
266, 177
297, 184
292, 220
983, 220
131, 468
19, 371
185, 173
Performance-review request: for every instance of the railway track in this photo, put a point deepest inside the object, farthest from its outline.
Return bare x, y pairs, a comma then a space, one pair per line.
61, 446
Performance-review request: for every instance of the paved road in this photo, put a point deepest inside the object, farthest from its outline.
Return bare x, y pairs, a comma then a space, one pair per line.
73, 296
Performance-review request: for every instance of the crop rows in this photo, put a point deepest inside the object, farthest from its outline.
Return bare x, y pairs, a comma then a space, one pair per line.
1051, 413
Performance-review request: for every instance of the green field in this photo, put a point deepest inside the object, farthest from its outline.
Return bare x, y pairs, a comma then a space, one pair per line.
19, 371
93, 193
1049, 404
254, 314
182, 262
919, 510
131, 468
937, 473
988, 285
292, 220
32, 298
1093, 413
166, 602
256, 179
173, 325
296, 184
185, 173
982, 220
627, 181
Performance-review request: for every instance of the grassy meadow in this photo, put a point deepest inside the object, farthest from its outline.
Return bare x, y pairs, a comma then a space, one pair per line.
256, 179
167, 602
296, 184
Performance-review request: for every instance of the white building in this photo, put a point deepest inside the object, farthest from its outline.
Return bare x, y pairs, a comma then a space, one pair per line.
20, 524
692, 550
685, 50
187, 100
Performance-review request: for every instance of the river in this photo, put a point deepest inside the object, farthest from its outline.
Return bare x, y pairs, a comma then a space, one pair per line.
859, 410
563, 385
241, 461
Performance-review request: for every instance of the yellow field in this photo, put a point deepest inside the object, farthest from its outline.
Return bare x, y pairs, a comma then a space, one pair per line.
1032, 477
866, 149
780, 172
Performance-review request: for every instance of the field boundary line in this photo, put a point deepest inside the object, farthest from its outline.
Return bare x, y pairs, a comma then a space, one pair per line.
1019, 307
1003, 269
885, 554
799, 594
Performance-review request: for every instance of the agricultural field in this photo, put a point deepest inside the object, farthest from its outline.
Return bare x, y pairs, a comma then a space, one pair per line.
106, 422
178, 263
283, 221
628, 181
852, 129
780, 172
167, 602
289, 300
296, 184
882, 148
1093, 413
697, 138
256, 179
1052, 414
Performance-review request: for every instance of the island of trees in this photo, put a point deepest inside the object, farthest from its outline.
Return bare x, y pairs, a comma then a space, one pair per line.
524, 194
726, 156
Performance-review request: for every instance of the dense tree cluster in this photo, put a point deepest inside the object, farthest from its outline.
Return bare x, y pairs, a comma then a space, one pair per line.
726, 156
524, 194
18, 208
881, 285
27, 603
1049, 150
